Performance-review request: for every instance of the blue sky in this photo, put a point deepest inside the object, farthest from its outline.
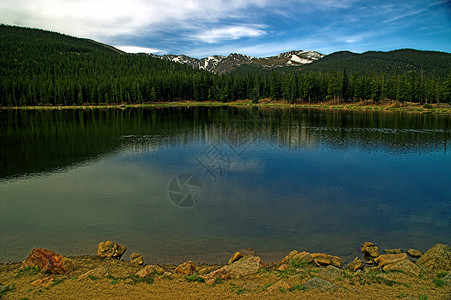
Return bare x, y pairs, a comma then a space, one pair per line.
253, 27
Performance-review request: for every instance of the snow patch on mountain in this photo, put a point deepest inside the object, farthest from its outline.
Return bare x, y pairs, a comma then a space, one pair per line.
223, 64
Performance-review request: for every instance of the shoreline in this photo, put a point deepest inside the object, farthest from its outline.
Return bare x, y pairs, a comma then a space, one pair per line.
410, 274
358, 106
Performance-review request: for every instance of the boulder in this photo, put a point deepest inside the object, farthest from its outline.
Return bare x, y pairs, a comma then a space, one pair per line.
149, 270
279, 285
136, 259
392, 251
235, 257
44, 282
48, 261
187, 268
101, 272
438, 258
288, 258
243, 267
405, 266
356, 264
415, 253
330, 273
387, 259
282, 267
299, 256
110, 249
371, 250
325, 260
320, 284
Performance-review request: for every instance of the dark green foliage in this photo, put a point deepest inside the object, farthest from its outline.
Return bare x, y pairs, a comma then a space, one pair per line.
44, 68
194, 277
431, 63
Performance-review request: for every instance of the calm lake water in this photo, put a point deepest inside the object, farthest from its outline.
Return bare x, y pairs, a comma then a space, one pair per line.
269, 179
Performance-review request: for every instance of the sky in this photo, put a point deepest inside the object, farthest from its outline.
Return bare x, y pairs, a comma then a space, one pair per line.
200, 28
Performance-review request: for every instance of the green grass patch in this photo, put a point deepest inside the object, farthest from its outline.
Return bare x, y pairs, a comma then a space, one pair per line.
8, 288
136, 279
57, 281
114, 281
28, 271
194, 278
241, 291
298, 263
297, 287
439, 282
423, 297
93, 278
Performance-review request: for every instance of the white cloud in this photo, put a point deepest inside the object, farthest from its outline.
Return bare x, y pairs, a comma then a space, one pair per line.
229, 33
106, 18
136, 49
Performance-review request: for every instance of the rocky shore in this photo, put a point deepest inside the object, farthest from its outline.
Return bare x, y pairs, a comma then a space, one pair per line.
375, 274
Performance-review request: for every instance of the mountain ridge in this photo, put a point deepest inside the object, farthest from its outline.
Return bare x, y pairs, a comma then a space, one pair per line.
222, 64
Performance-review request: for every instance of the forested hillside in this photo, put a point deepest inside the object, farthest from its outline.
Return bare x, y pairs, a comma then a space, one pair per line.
431, 63
39, 67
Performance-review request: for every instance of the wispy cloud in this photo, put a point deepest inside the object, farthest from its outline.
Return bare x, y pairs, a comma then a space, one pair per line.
252, 27
229, 33
405, 15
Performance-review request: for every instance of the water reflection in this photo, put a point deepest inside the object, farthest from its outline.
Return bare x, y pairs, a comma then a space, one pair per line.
297, 179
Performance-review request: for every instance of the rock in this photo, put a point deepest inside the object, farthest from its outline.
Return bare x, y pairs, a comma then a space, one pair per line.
392, 251
438, 258
298, 256
136, 259
405, 266
187, 268
167, 274
387, 259
325, 260
290, 256
235, 257
371, 250
279, 285
415, 253
282, 267
101, 272
149, 270
245, 266
48, 261
110, 249
330, 273
320, 284
44, 282
355, 265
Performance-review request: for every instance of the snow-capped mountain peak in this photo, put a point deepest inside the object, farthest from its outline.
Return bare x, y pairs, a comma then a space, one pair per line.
223, 64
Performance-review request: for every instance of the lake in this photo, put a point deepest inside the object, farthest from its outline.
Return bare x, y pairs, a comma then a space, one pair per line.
198, 183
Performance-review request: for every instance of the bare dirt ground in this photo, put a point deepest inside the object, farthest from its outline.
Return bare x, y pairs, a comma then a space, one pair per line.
122, 284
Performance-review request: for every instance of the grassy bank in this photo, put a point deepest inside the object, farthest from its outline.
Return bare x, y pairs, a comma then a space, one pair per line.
268, 282
360, 106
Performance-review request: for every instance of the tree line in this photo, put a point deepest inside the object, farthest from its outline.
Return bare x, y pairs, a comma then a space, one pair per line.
39, 68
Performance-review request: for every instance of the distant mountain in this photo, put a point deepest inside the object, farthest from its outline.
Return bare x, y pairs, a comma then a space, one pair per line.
223, 64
